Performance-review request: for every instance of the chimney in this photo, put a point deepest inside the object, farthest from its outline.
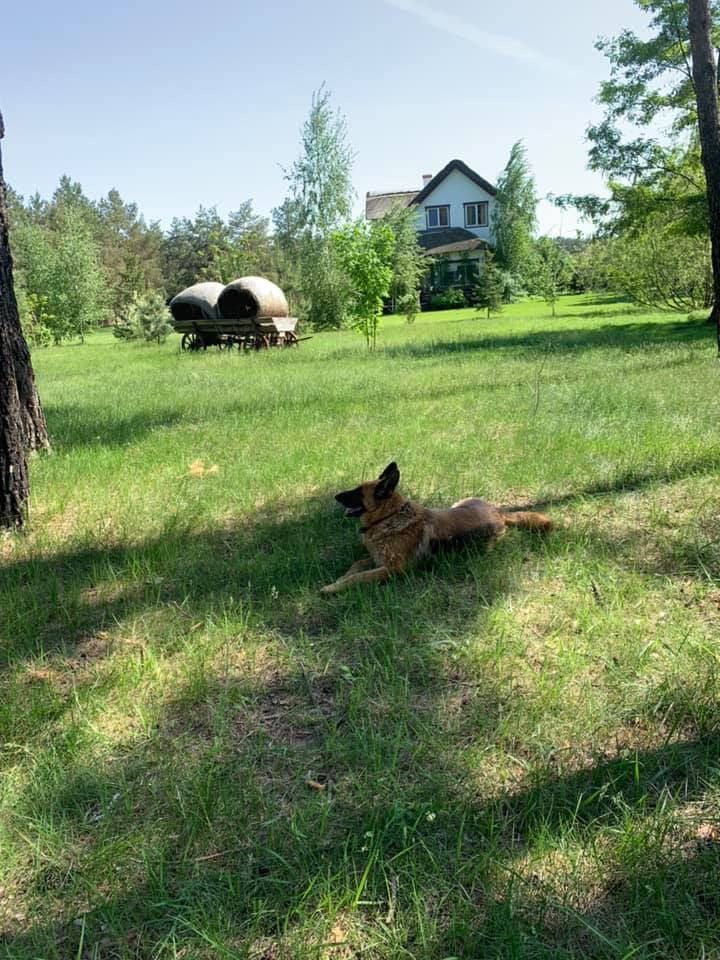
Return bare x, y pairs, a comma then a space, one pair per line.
427, 177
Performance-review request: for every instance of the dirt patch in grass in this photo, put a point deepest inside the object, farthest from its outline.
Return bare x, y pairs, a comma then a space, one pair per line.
290, 715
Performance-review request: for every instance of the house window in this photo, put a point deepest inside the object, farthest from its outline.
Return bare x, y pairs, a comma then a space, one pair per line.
476, 214
437, 217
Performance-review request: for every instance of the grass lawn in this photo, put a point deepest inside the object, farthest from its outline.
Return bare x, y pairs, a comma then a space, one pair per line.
510, 753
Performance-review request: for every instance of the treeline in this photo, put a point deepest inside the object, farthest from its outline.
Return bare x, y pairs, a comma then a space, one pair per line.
80, 263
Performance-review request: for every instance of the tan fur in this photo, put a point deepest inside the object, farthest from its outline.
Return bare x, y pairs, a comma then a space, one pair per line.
396, 532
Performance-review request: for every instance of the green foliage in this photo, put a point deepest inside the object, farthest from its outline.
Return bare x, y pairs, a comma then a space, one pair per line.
657, 268
513, 287
35, 318
551, 270
146, 318
130, 250
207, 247
593, 267
124, 248
61, 274
319, 200
650, 89
365, 254
490, 286
650, 84
325, 292
515, 214
449, 299
410, 262
320, 179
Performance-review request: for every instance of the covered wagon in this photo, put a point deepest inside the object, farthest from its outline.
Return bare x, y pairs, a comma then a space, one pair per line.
250, 313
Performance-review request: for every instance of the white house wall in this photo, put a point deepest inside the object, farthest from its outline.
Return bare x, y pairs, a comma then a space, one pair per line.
455, 191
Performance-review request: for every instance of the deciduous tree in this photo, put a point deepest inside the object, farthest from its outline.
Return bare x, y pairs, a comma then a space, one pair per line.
319, 201
515, 214
365, 253
551, 271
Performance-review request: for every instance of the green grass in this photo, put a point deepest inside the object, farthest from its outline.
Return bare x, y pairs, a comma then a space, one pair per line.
518, 749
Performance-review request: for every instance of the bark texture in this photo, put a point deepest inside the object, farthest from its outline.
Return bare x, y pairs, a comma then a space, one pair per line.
22, 424
34, 428
705, 80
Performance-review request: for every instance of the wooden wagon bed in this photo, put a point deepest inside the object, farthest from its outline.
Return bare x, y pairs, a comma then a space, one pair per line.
258, 334
250, 313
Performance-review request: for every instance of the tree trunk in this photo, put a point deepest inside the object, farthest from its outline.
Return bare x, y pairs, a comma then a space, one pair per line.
13, 464
14, 416
705, 80
33, 428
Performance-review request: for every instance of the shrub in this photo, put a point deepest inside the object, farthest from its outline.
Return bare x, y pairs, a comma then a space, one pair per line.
449, 299
145, 318
36, 320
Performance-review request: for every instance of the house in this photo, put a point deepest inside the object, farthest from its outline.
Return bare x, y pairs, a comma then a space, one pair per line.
454, 221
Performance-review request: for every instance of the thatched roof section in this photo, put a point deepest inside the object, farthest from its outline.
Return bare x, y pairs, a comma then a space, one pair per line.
250, 298
198, 302
378, 204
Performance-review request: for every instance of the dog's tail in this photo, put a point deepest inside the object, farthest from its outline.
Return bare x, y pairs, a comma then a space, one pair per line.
528, 519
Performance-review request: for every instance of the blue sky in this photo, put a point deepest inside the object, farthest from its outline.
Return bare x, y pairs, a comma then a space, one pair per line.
178, 104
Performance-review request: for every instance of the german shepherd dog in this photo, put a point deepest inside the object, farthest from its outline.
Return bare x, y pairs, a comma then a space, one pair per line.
396, 532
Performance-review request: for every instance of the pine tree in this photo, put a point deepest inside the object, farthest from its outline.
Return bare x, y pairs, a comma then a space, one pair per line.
489, 288
22, 424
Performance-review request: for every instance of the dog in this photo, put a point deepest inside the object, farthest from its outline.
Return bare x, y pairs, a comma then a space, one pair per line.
397, 532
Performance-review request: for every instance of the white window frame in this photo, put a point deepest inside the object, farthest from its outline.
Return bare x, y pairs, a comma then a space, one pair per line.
438, 225
476, 205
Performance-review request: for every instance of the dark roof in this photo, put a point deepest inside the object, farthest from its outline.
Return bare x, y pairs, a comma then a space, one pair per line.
448, 169
449, 240
378, 204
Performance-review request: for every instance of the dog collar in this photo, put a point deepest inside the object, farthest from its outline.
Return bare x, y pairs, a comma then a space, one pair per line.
376, 522
402, 509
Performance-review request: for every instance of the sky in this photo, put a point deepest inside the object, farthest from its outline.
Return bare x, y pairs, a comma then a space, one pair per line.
178, 103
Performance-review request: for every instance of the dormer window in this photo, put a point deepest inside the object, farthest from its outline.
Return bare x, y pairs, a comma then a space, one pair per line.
437, 217
476, 214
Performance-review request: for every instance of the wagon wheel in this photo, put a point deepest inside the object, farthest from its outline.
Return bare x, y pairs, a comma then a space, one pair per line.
261, 341
226, 343
193, 342
291, 339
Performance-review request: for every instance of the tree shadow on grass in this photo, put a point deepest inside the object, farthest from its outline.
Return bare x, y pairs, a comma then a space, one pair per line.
260, 802
72, 426
632, 479
625, 336
215, 838
69, 612
228, 752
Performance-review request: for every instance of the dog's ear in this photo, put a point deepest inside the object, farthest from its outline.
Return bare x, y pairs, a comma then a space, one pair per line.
387, 481
389, 469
